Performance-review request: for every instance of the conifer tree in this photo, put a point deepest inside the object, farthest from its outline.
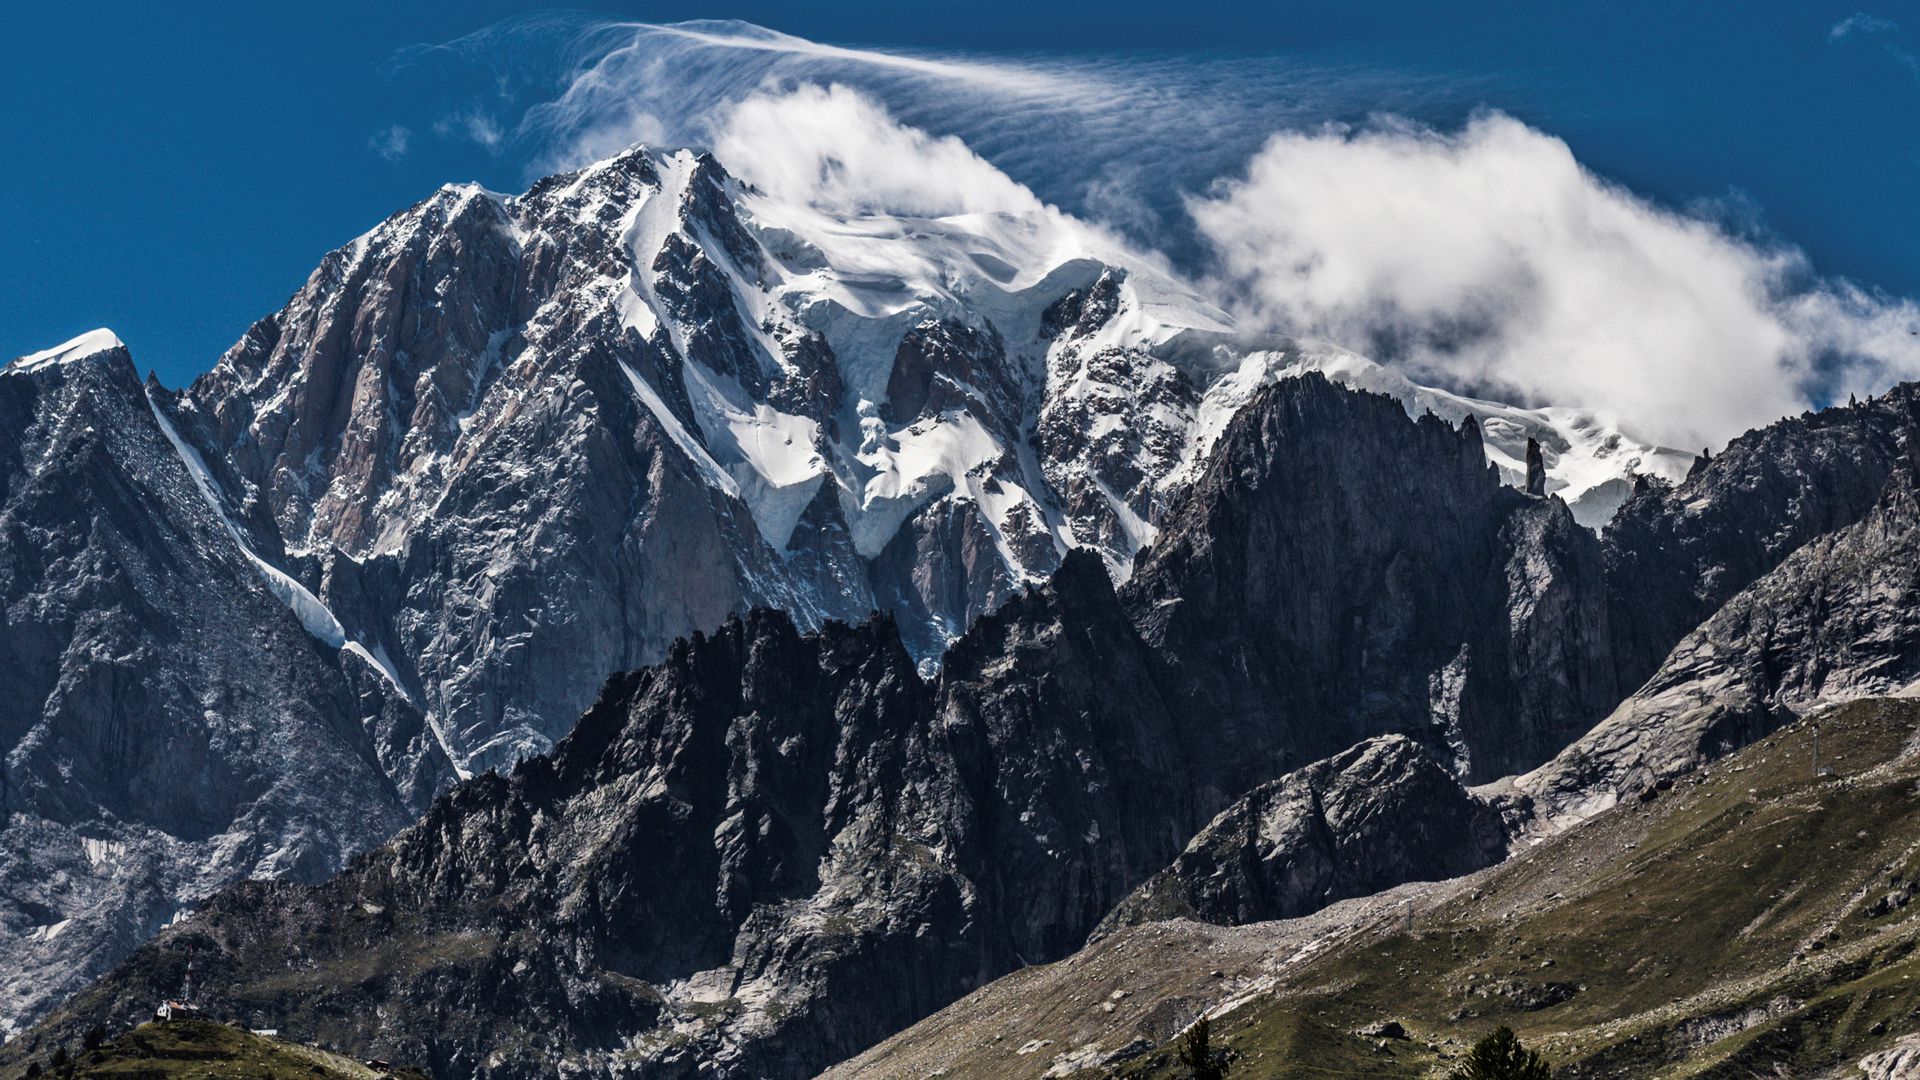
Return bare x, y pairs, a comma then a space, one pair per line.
1500, 1056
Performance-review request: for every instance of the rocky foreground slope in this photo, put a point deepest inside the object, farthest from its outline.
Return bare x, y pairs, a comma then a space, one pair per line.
1752, 919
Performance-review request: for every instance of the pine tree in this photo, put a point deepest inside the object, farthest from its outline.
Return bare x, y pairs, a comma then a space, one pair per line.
1500, 1056
1203, 1062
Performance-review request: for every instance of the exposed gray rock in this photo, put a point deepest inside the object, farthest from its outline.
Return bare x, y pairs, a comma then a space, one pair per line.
1381, 814
774, 848
1839, 618
1676, 554
1339, 572
168, 724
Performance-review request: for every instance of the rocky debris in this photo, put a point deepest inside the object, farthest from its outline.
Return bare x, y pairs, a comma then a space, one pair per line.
169, 724
1523, 994
1378, 815
1899, 1062
1385, 1029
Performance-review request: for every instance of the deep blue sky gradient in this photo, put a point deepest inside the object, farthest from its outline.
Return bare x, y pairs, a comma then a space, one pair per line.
175, 171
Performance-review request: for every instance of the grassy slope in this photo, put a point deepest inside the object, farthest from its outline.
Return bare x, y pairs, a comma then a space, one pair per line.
209, 1051
1719, 931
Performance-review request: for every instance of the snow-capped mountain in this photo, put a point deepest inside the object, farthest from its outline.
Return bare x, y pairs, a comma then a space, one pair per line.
518, 442
773, 848
500, 447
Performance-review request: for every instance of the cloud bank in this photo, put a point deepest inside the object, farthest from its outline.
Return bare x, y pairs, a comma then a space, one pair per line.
1470, 247
1490, 256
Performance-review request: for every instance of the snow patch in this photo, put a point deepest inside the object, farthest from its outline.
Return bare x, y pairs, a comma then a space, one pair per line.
91, 343
1591, 461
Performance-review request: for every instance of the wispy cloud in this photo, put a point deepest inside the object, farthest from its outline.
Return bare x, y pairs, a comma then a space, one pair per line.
474, 124
1861, 24
391, 143
1489, 256
1119, 135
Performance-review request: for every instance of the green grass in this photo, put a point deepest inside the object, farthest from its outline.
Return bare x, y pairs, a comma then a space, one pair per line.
1291, 1046
1717, 931
204, 1050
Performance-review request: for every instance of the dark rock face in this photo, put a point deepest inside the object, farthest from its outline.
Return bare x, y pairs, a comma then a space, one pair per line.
1838, 619
943, 365
1675, 555
167, 725
1420, 595
1378, 815
758, 856
1536, 470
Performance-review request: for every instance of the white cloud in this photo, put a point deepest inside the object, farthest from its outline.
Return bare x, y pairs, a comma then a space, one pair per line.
1862, 23
1859, 23
474, 124
391, 143
834, 148
1491, 258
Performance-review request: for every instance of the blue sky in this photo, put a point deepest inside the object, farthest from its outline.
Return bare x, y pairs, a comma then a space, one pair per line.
175, 172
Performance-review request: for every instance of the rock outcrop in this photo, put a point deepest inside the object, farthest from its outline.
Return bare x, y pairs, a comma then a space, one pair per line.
1338, 572
1381, 814
1837, 619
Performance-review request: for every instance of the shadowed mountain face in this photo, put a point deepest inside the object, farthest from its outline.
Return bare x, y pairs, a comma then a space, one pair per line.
776, 847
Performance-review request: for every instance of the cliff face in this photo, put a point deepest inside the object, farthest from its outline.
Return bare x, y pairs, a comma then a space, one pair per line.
1675, 554
1339, 572
1835, 620
169, 725
1378, 815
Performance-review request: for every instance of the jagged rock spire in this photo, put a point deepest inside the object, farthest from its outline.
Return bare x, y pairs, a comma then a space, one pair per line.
1536, 469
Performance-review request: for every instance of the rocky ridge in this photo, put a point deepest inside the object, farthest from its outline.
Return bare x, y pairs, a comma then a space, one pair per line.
128, 798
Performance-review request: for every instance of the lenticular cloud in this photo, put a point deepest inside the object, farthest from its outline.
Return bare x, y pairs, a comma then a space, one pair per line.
1470, 248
